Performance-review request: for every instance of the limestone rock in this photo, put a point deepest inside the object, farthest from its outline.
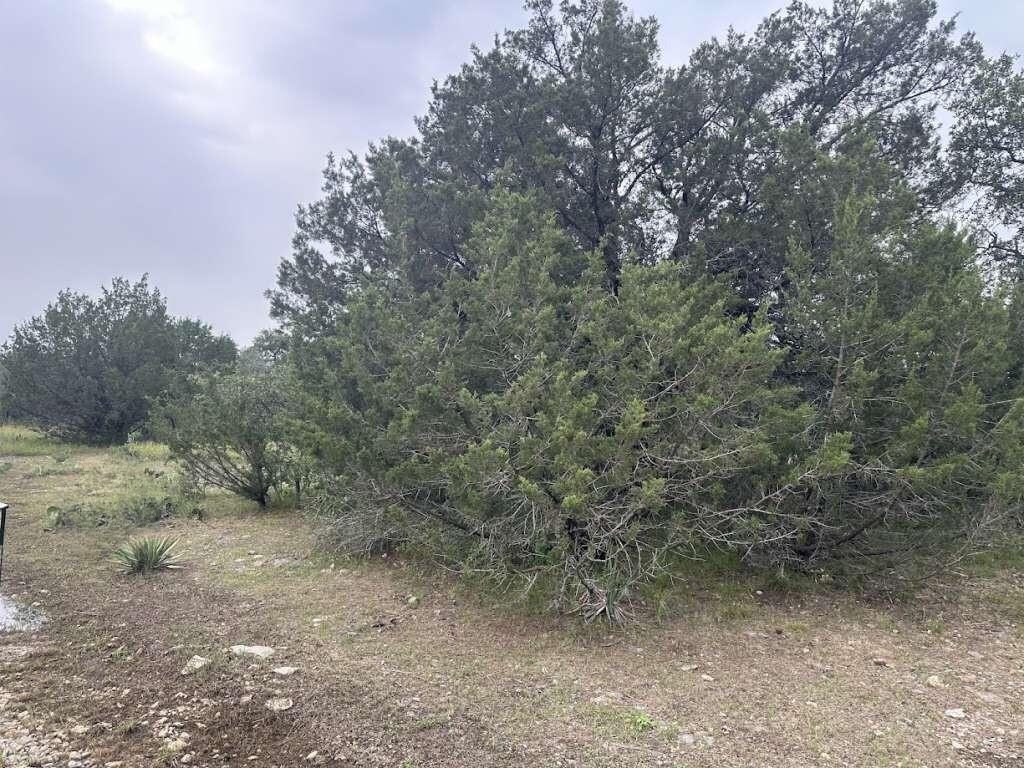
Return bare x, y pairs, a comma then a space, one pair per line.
279, 704
194, 664
260, 651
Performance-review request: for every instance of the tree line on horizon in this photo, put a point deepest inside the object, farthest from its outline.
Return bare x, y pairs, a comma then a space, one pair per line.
600, 314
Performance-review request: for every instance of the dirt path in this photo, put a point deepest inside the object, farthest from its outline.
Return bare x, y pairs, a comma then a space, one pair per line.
738, 676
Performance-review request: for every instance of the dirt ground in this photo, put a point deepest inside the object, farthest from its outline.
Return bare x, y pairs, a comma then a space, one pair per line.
730, 671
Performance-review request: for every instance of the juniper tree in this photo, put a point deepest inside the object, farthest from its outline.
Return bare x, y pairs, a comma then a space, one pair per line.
87, 368
599, 312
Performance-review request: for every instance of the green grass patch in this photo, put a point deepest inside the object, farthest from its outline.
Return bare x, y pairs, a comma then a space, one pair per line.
796, 627
127, 727
935, 627
127, 500
431, 722
57, 470
621, 722
16, 440
1008, 557
1007, 602
146, 450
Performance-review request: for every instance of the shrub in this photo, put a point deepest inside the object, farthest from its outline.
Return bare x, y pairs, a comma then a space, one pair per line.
535, 420
599, 314
146, 555
229, 433
528, 420
55, 518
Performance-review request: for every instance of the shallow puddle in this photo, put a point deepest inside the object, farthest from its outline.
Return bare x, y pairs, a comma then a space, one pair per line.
15, 617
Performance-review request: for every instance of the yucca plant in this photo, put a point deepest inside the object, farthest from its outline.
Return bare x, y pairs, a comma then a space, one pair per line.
150, 553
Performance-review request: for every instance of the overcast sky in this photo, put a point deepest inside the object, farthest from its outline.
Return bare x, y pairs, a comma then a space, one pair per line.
176, 137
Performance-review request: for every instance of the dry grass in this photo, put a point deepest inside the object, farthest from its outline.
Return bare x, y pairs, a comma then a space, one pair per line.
724, 669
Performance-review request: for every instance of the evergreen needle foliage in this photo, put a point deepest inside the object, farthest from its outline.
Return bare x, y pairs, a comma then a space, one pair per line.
601, 314
87, 368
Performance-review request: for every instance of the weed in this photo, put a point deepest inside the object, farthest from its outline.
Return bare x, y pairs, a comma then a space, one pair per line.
144, 510
431, 722
735, 610
935, 626
147, 554
5, 467
796, 627
622, 721
168, 752
55, 518
639, 723
126, 727
888, 624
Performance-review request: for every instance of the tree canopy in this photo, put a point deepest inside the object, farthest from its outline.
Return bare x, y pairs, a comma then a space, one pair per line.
600, 312
88, 367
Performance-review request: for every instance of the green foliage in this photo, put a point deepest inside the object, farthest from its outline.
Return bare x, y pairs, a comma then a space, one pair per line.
640, 723
55, 518
722, 161
147, 450
86, 368
528, 419
621, 722
986, 154
60, 469
147, 555
16, 440
229, 431
543, 420
134, 502
600, 314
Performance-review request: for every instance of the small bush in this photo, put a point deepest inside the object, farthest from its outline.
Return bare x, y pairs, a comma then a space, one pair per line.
147, 554
55, 518
146, 509
229, 433
640, 723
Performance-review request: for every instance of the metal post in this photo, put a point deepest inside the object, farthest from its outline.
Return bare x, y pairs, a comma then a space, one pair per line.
3, 527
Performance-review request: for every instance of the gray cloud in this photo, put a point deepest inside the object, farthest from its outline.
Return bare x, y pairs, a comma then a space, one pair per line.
176, 137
